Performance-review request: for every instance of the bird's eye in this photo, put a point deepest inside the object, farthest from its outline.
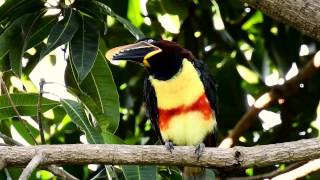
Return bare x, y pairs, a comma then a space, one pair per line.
149, 40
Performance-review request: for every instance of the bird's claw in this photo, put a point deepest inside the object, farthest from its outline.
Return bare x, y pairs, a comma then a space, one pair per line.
169, 146
199, 150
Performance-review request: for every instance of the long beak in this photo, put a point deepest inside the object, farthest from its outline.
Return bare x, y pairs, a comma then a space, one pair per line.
138, 52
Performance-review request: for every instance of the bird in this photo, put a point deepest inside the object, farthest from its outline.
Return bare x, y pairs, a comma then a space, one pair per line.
180, 95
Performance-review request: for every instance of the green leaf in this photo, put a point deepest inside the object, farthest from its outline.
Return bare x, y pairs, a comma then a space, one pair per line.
15, 55
133, 30
26, 104
7, 37
110, 138
12, 9
76, 112
134, 13
21, 129
99, 84
84, 47
139, 172
62, 32
41, 30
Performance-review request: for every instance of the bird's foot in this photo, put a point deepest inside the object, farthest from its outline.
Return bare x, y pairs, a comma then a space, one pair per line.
199, 150
169, 146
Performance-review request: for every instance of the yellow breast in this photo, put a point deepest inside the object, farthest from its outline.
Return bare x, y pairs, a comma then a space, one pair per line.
182, 89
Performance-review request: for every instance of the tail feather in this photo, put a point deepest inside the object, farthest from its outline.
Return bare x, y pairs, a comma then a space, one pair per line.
193, 173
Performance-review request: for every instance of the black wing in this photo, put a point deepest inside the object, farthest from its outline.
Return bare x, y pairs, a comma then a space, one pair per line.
151, 107
210, 87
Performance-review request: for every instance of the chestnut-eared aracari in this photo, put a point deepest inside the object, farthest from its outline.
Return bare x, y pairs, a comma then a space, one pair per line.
180, 94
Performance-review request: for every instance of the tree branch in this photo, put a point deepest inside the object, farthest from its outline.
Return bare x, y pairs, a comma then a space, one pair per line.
301, 171
289, 88
237, 157
269, 174
52, 168
34, 163
304, 15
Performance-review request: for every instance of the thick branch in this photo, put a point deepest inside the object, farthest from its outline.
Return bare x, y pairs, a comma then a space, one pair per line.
304, 15
288, 89
237, 157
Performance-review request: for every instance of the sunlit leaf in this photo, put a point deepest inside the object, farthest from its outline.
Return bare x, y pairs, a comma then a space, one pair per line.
84, 47
134, 13
62, 32
133, 30
26, 105
76, 111
247, 74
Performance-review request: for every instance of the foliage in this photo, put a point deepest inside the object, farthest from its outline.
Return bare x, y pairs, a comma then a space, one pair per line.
246, 51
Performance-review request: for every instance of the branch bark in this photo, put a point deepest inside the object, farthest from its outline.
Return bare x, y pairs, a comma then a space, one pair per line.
303, 15
237, 157
33, 164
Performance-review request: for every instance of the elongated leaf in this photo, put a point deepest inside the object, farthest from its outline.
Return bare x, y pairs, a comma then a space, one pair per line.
100, 85
93, 106
62, 32
21, 129
12, 9
84, 47
10, 33
133, 30
25, 103
76, 112
139, 172
41, 30
15, 55
102, 120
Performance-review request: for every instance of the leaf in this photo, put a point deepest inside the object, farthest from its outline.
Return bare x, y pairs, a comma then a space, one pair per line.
133, 30
110, 138
99, 84
76, 112
41, 30
84, 47
10, 33
139, 172
12, 9
22, 130
15, 56
62, 32
26, 104
134, 13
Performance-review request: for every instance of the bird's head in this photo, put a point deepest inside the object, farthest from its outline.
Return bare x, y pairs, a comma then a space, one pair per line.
162, 58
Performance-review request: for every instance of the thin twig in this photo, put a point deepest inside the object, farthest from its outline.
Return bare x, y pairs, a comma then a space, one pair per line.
269, 174
33, 164
39, 112
4, 86
9, 140
289, 88
60, 173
